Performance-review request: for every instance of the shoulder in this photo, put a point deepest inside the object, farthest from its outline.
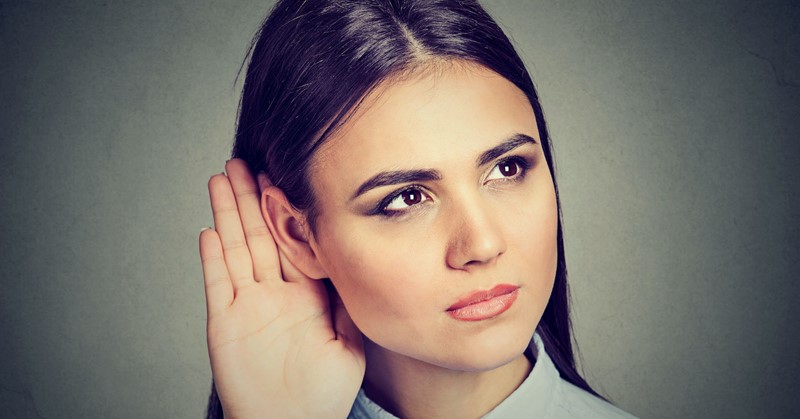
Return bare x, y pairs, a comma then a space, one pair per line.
570, 401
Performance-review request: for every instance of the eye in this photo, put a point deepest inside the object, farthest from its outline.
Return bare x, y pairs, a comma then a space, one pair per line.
510, 169
402, 201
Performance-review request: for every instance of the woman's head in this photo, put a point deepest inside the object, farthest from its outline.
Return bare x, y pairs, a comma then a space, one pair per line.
436, 187
310, 118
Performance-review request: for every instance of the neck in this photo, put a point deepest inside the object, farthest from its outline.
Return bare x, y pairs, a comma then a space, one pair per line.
410, 388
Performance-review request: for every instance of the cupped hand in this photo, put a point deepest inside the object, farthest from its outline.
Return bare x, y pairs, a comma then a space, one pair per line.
279, 344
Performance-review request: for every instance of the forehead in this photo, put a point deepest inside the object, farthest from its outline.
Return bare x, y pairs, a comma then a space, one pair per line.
421, 121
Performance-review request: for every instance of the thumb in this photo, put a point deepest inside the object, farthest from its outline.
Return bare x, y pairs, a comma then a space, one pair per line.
343, 325
289, 272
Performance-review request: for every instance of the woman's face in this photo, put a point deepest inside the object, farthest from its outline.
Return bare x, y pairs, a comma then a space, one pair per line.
435, 191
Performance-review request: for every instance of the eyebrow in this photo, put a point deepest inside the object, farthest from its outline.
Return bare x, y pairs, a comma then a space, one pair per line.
395, 177
426, 175
511, 143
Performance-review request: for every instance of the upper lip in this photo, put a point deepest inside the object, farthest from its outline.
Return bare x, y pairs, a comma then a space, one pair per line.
482, 295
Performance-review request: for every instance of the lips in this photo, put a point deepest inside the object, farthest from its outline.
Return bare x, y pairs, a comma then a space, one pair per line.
484, 304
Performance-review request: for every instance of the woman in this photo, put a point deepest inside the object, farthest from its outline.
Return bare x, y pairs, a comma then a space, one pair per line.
400, 253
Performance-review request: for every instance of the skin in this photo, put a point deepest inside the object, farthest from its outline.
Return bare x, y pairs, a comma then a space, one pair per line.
474, 227
276, 344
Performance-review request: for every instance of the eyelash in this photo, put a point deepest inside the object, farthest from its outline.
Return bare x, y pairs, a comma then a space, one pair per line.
522, 164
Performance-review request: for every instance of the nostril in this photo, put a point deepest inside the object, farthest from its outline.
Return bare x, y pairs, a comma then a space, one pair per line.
476, 235
474, 253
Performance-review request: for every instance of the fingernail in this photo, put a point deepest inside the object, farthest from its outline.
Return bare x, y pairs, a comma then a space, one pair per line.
204, 229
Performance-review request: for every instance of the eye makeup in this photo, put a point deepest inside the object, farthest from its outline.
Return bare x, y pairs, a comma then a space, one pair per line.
518, 167
413, 192
512, 169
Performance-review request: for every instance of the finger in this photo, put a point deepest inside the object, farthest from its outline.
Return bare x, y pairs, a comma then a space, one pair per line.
229, 228
263, 181
289, 272
346, 330
263, 250
219, 290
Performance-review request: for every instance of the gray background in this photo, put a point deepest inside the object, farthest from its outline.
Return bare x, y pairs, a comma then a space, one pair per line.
676, 133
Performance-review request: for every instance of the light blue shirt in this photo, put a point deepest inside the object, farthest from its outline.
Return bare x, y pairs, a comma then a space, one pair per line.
543, 394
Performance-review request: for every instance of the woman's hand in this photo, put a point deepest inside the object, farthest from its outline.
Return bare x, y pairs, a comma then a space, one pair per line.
280, 344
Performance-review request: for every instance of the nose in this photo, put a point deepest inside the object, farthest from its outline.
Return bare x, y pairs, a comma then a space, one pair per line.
475, 239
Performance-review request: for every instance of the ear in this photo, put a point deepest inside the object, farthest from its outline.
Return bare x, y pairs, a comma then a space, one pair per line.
289, 229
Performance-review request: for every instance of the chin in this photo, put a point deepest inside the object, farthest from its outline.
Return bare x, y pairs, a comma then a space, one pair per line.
488, 352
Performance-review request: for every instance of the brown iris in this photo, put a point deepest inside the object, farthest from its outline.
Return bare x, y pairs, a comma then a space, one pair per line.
508, 169
411, 197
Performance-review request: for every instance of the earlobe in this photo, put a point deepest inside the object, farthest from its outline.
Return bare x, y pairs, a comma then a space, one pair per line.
288, 230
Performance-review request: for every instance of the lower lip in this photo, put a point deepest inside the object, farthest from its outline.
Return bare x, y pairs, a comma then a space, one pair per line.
485, 309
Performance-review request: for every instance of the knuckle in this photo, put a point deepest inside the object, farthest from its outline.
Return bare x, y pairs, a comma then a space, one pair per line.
245, 193
259, 231
234, 244
215, 281
241, 279
224, 210
212, 258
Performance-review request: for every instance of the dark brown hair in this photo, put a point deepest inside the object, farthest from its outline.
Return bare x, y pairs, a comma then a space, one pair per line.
313, 61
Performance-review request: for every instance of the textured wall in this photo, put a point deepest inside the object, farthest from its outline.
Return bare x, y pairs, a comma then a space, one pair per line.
676, 133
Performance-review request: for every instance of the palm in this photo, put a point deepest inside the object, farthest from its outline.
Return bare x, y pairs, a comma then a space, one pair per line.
275, 347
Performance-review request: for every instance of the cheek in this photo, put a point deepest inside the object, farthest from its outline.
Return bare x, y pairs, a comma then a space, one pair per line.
533, 234
546, 234
379, 281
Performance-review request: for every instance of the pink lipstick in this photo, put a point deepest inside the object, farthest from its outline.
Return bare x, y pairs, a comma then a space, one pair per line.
484, 304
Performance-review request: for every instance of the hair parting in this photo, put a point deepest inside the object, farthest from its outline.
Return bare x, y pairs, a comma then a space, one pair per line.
313, 62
